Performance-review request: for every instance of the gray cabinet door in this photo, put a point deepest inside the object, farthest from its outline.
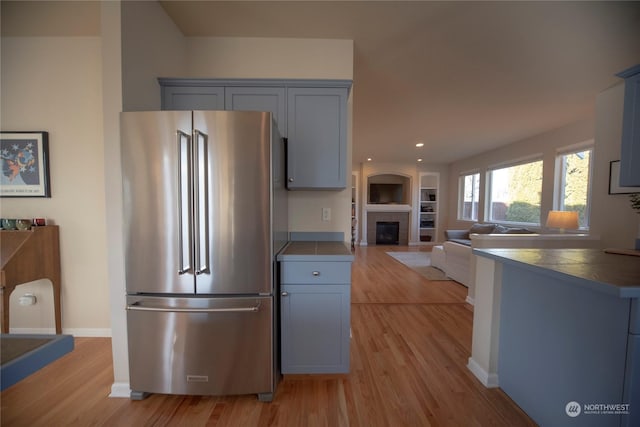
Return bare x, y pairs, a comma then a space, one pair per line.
631, 393
630, 154
192, 98
315, 328
317, 132
271, 99
313, 118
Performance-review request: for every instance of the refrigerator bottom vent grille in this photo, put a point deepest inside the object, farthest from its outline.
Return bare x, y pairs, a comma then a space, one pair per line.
197, 379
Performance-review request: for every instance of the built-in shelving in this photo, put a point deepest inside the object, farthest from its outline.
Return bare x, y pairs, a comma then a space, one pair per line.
428, 209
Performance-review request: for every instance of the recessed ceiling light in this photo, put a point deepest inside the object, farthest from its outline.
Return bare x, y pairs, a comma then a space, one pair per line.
419, 160
369, 159
420, 144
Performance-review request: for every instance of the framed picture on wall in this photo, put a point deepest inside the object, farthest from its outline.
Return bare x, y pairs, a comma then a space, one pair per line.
25, 164
614, 180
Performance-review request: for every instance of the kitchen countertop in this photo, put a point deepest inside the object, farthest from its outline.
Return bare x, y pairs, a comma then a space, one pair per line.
613, 274
315, 251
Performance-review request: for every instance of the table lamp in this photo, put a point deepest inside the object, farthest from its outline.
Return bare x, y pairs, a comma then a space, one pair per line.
563, 220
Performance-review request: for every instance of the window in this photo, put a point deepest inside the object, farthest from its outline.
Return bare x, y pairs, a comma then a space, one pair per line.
468, 197
515, 193
573, 171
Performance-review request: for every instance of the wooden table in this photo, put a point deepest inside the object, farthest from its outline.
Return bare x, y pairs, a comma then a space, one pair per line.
26, 256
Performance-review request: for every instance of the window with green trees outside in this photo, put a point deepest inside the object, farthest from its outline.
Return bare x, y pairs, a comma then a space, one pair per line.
572, 190
515, 193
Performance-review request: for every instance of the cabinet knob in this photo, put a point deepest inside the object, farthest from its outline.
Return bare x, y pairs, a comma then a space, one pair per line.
316, 273
284, 294
290, 179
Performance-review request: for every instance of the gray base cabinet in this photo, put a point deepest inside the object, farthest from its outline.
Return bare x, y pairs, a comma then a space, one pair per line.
562, 342
312, 114
315, 306
315, 329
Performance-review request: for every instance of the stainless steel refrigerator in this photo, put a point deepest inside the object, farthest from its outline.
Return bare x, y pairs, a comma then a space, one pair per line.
205, 212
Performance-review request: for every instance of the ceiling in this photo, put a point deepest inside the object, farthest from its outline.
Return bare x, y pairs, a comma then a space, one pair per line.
461, 77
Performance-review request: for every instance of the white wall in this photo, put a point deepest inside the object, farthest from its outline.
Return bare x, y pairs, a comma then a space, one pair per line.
275, 58
611, 215
110, 25
545, 145
152, 47
55, 84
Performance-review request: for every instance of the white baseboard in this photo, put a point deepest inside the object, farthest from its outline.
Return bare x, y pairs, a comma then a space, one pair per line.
76, 332
487, 379
33, 331
470, 300
120, 390
88, 332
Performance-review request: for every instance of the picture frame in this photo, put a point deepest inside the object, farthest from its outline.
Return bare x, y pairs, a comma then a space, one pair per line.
25, 164
614, 180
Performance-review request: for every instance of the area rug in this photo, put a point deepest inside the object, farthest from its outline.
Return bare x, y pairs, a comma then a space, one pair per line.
420, 262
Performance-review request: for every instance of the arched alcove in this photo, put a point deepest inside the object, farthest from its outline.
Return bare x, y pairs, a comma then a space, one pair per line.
388, 189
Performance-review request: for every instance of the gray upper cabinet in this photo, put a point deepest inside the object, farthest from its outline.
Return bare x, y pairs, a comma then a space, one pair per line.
270, 99
317, 138
630, 153
312, 114
192, 98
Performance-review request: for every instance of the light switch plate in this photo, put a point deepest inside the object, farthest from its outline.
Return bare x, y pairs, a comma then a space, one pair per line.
326, 214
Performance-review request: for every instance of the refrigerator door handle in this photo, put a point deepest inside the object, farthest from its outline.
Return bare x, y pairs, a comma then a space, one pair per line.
201, 201
137, 307
185, 242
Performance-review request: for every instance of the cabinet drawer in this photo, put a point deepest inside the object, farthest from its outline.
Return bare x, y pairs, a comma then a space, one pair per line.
316, 272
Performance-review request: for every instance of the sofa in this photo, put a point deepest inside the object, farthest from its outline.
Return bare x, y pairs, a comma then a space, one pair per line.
455, 258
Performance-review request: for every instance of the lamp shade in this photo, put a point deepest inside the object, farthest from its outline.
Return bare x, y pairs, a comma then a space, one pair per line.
564, 220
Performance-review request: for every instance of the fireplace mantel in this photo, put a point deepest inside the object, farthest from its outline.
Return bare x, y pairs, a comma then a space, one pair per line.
387, 208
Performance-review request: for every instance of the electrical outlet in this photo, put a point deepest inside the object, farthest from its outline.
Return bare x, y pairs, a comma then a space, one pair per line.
326, 214
27, 299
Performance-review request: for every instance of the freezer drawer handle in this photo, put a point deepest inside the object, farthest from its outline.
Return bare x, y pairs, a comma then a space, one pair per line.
136, 307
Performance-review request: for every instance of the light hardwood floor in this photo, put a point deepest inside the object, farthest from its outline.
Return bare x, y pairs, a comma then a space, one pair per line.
411, 341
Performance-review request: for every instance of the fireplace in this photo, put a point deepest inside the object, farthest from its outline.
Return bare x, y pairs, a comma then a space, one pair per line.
400, 218
387, 232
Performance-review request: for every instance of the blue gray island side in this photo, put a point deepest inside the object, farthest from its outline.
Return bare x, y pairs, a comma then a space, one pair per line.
315, 307
569, 337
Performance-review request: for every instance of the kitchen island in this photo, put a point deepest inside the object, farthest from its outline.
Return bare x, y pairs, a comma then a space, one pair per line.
315, 307
569, 334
